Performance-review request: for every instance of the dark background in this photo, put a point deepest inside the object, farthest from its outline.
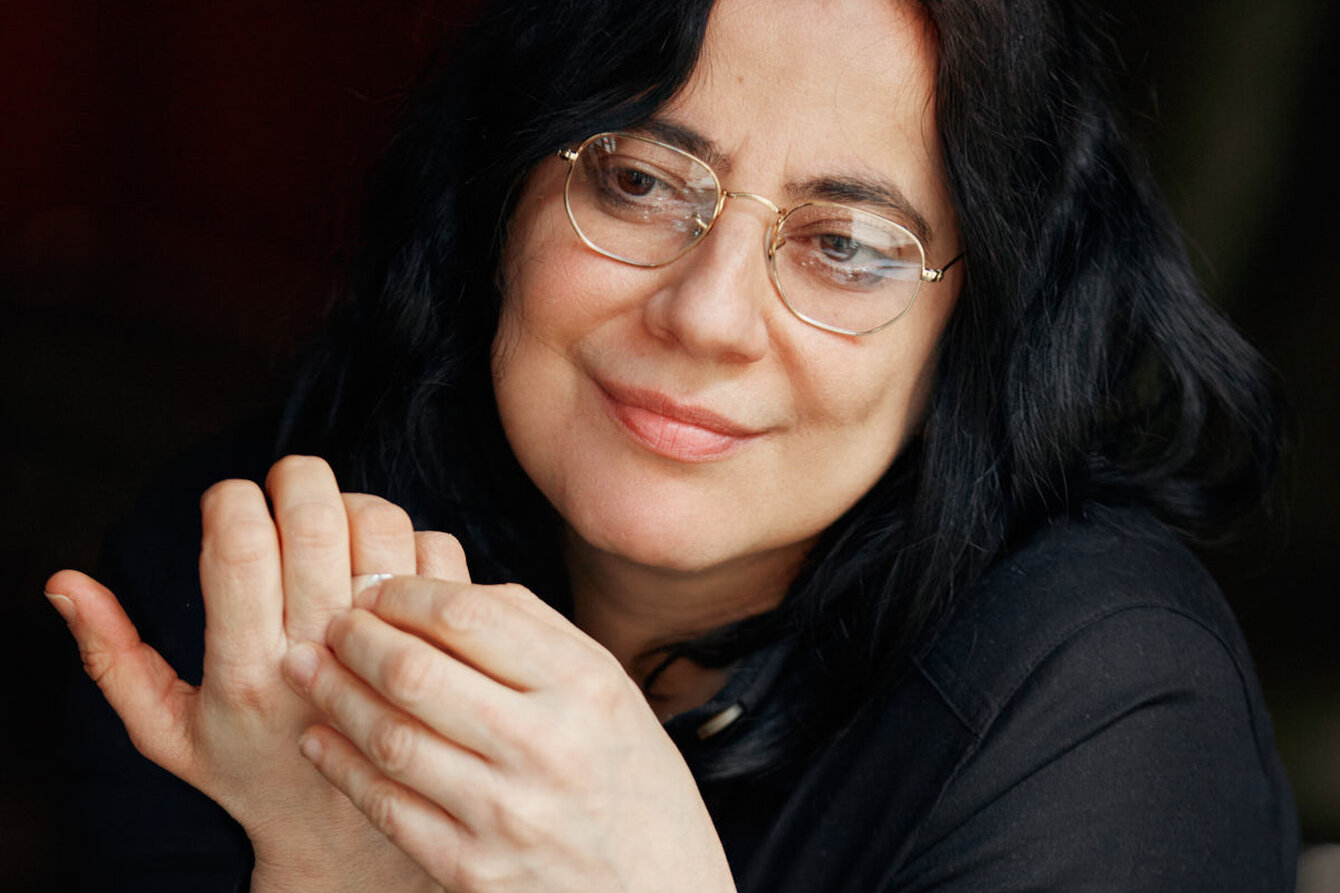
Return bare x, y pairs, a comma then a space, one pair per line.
176, 184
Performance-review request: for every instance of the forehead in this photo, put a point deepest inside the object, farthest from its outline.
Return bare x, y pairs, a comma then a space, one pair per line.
798, 83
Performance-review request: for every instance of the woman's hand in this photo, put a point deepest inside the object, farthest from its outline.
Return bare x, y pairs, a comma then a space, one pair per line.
267, 583
501, 747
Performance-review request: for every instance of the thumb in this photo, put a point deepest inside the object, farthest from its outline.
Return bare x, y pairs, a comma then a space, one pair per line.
143, 689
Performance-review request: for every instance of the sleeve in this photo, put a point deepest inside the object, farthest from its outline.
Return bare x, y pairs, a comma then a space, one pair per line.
125, 823
1136, 756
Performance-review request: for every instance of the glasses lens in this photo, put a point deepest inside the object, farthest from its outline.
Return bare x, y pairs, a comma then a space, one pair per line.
846, 269
639, 201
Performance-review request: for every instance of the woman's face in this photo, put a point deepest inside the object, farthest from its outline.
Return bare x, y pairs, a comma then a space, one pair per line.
680, 417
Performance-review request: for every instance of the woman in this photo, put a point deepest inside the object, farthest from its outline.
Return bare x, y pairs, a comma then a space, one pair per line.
811, 391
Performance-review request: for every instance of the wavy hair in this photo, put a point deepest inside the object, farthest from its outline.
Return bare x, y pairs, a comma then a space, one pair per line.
1082, 363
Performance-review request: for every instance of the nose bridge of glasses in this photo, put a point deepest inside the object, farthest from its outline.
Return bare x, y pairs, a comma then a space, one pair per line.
776, 213
761, 199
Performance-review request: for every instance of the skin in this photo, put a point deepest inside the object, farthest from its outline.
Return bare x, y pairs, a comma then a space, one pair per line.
483, 742
269, 582
659, 547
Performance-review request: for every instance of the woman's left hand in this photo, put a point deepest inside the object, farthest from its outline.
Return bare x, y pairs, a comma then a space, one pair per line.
500, 747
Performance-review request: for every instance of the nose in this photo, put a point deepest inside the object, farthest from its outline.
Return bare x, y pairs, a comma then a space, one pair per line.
715, 298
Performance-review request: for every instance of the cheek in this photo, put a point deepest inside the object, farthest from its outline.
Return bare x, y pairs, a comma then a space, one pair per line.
557, 291
869, 400
541, 271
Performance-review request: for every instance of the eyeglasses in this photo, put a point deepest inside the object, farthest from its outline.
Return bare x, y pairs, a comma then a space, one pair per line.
838, 268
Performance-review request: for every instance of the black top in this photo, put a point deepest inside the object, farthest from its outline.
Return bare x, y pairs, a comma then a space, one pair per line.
1088, 720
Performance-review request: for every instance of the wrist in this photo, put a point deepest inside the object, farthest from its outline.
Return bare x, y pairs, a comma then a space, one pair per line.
297, 878
294, 871
335, 864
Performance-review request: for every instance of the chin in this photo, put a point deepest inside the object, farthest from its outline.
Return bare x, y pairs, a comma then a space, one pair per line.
681, 533
657, 537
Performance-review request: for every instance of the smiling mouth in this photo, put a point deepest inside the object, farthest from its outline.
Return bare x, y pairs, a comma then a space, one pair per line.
673, 430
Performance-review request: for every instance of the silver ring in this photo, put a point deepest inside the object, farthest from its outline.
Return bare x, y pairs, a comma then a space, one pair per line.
359, 582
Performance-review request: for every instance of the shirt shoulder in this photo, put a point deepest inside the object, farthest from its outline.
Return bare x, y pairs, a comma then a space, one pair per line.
1071, 574
1112, 717
1087, 719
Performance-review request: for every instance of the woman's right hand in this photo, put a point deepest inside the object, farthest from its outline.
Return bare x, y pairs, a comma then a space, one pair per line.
268, 583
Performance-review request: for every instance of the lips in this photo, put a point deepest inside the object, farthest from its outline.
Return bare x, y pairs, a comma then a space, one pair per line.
672, 429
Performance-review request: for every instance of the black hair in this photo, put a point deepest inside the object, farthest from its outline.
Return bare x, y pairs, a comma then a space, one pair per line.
1081, 365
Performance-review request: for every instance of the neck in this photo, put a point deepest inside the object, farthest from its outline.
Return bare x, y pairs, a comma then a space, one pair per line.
633, 609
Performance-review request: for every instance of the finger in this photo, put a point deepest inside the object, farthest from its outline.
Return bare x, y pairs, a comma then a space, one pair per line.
314, 542
515, 596
141, 687
381, 537
423, 830
440, 556
395, 742
240, 582
502, 631
455, 700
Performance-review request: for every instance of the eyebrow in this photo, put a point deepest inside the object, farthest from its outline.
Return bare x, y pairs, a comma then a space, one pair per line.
690, 141
876, 193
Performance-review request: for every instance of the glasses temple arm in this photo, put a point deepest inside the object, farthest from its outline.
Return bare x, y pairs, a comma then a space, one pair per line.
937, 275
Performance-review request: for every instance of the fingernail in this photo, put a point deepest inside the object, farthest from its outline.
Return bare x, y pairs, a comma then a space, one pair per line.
365, 588
310, 746
299, 665
64, 606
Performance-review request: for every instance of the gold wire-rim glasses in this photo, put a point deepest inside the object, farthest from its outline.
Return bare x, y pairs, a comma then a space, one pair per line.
773, 239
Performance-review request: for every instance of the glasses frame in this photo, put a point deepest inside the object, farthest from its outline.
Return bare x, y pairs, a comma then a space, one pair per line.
773, 238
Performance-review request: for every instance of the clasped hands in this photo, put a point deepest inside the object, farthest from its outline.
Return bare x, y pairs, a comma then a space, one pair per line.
423, 733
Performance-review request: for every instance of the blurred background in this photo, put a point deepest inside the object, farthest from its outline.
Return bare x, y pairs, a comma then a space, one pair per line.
176, 185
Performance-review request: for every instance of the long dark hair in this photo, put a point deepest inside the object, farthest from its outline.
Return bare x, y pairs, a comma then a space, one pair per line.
1082, 364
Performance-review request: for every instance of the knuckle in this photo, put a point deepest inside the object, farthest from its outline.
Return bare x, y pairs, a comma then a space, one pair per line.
375, 516
522, 820
312, 523
514, 593
465, 610
502, 724
331, 693
325, 695
599, 687
241, 542
468, 877
482, 873
381, 804
408, 676
342, 630
248, 695
97, 662
442, 862
391, 743
525, 743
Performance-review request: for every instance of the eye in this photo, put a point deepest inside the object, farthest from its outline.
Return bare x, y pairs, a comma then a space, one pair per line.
839, 248
837, 261
632, 177
625, 180
635, 182
843, 261
845, 249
